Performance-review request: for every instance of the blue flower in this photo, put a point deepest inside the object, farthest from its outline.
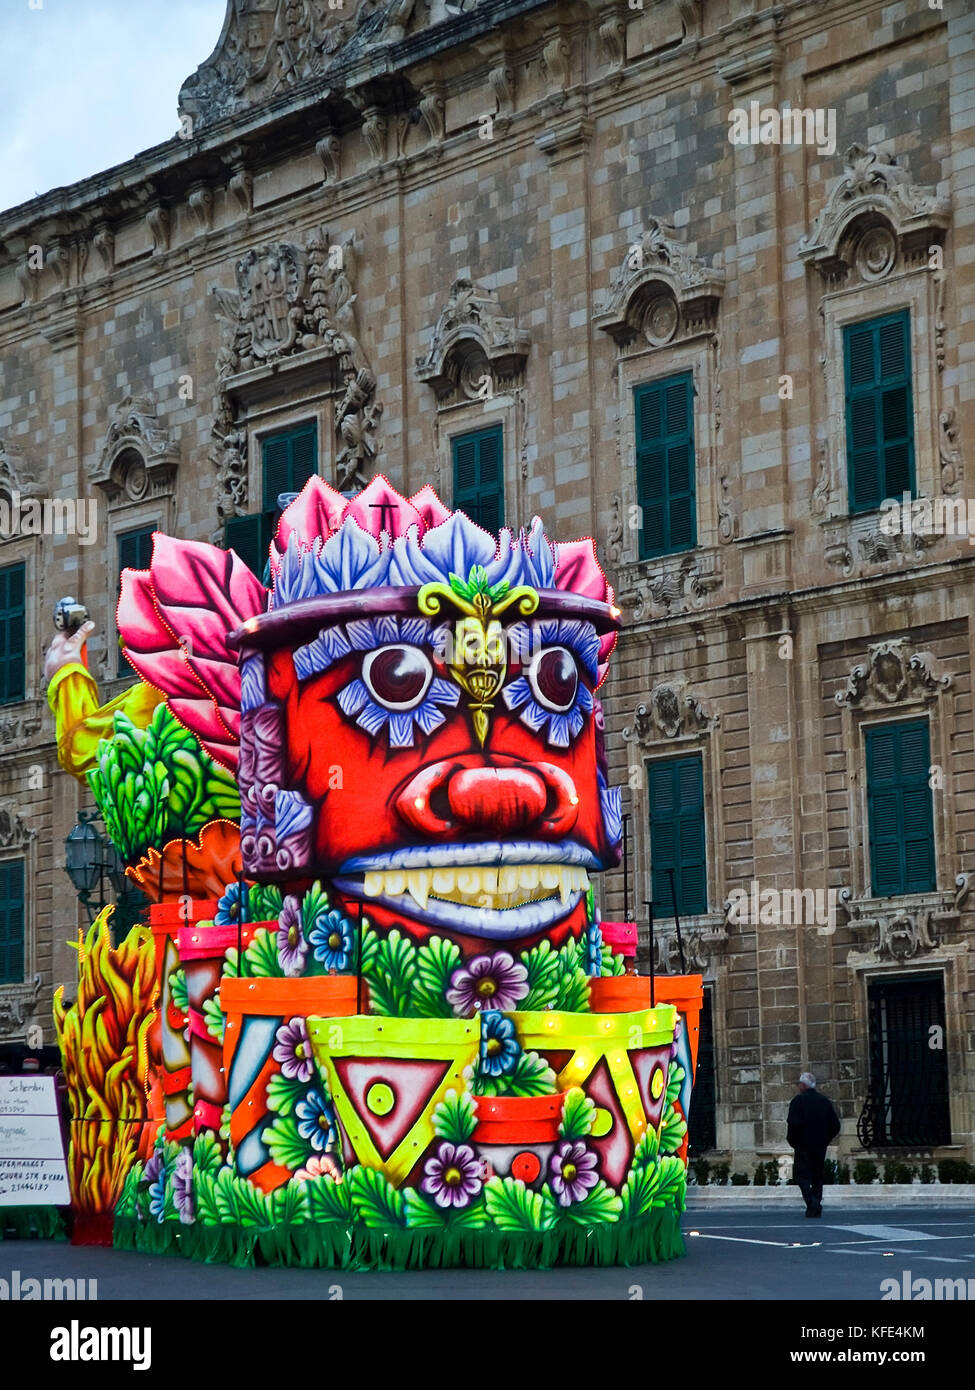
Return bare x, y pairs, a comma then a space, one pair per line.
499, 1046
157, 1196
332, 939
594, 950
316, 1122
228, 908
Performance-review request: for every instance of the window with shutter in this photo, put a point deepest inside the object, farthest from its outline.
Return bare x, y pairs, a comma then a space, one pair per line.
478, 461
12, 922
134, 553
288, 460
12, 626
677, 839
900, 809
665, 465
879, 410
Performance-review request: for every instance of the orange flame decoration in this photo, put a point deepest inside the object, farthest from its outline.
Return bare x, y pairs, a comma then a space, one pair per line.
104, 1045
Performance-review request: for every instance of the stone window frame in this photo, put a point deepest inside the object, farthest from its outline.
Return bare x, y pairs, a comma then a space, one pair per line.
913, 290
132, 516
694, 355
280, 418
469, 417
21, 843
28, 551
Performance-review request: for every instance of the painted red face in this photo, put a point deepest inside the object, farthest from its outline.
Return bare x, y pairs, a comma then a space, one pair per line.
492, 841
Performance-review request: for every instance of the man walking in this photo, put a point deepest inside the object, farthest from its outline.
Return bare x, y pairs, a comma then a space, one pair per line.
813, 1125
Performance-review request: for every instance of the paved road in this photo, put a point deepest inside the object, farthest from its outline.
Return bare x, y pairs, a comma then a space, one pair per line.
730, 1255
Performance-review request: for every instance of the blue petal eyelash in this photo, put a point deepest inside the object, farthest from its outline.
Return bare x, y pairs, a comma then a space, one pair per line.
527, 639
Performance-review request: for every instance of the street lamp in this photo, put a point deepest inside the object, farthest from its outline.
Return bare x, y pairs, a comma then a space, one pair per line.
89, 859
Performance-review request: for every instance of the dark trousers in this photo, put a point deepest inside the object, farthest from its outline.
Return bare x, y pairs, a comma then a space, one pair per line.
809, 1175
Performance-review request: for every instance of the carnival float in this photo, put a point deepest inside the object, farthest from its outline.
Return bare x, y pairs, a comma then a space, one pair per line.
373, 1018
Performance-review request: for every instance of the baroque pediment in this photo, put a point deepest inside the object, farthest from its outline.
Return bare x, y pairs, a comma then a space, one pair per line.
472, 337
660, 291
268, 46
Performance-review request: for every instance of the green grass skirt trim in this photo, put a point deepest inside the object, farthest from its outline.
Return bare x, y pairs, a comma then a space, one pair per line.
334, 1245
32, 1223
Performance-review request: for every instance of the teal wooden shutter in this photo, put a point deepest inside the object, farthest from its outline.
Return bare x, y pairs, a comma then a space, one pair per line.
12, 626
478, 461
134, 553
247, 535
677, 838
900, 811
288, 460
12, 922
879, 410
665, 465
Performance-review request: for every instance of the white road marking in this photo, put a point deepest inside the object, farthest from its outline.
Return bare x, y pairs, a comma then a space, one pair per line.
743, 1240
887, 1232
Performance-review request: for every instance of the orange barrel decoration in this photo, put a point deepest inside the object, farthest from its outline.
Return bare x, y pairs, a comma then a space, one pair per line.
165, 921
516, 1135
202, 948
624, 993
255, 1009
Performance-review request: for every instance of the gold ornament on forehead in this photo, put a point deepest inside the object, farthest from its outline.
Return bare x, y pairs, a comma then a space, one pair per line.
478, 662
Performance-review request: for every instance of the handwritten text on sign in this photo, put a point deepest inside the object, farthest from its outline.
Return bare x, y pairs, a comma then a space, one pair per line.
32, 1167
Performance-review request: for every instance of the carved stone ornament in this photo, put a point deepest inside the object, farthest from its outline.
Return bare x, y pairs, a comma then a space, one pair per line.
269, 46
659, 292
17, 1004
873, 216
681, 584
138, 458
15, 833
698, 940
289, 300
908, 926
672, 711
890, 676
473, 339
16, 729
16, 475
852, 542
949, 450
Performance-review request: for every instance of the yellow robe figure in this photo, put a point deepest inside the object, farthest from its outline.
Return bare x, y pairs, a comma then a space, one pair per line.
82, 723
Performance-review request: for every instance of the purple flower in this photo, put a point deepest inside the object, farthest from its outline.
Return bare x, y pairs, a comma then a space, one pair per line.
573, 1170
316, 1123
157, 1186
487, 982
153, 1167
453, 1176
183, 1187
499, 1046
293, 1051
292, 947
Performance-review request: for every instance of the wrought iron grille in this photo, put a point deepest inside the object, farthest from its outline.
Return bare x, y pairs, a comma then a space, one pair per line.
907, 1104
701, 1128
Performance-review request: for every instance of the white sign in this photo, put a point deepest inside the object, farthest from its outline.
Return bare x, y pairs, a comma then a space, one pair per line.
32, 1167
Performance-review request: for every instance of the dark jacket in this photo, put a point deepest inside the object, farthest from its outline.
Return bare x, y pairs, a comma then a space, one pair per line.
813, 1123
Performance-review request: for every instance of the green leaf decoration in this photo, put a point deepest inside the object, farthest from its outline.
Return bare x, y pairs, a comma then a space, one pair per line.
573, 993
370, 948
177, 988
610, 963
471, 1218
288, 1149
514, 1207
672, 1131
264, 902
672, 1186
639, 1191
329, 1199
205, 1197
214, 1018
375, 1199
391, 975
598, 1207
128, 1198
455, 1118
253, 1207
284, 1093
436, 961
207, 1155
544, 970
647, 1149
422, 1213
261, 956
531, 1076
498, 591
289, 1204
578, 1114
313, 905
226, 1197
674, 1079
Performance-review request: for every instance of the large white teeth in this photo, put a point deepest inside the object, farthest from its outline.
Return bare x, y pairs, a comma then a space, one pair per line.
486, 887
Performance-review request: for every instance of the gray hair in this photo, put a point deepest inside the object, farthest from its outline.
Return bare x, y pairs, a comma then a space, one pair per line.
808, 1079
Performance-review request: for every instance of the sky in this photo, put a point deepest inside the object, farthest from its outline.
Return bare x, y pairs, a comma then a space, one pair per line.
89, 83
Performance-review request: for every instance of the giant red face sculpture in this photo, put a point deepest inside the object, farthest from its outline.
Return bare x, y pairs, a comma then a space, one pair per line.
418, 718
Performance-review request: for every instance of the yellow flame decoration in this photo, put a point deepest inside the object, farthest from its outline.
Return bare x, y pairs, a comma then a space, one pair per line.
103, 1038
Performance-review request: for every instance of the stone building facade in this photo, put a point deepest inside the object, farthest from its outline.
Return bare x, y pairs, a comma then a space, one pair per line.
404, 223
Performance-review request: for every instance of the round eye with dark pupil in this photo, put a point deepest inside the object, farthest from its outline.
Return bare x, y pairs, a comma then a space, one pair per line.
556, 678
397, 676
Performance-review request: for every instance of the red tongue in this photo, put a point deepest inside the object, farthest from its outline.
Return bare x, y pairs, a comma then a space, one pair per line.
502, 799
